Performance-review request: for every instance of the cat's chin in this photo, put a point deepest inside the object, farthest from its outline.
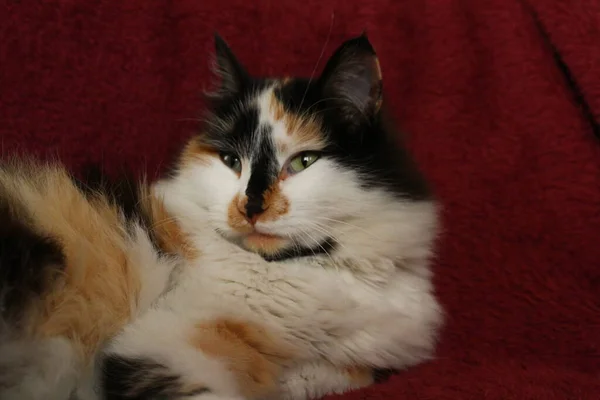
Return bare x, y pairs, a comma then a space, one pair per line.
275, 247
264, 244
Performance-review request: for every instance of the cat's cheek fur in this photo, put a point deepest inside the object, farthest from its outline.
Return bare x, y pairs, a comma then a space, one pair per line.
203, 189
315, 196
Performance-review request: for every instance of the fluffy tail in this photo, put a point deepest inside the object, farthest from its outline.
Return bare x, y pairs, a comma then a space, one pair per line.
29, 263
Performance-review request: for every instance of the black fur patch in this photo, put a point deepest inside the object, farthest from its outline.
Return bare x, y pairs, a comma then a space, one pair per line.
325, 247
29, 262
140, 379
370, 147
264, 173
238, 138
123, 192
384, 375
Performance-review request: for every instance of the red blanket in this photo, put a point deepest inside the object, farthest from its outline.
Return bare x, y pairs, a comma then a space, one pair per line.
500, 99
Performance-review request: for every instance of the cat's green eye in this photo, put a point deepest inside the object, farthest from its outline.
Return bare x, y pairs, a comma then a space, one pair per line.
302, 161
232, 161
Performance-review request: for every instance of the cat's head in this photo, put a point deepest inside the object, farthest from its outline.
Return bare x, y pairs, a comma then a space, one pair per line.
282, 165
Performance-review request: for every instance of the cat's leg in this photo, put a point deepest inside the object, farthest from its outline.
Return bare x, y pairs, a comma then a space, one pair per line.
319, 378
166, 353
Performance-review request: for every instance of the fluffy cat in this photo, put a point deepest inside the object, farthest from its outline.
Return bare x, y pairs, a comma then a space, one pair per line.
313, 231
285, 256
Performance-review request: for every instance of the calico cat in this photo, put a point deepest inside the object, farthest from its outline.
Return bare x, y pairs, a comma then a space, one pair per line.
285, 256
313, 231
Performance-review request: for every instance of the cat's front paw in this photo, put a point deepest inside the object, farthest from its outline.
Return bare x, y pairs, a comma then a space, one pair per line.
317, 379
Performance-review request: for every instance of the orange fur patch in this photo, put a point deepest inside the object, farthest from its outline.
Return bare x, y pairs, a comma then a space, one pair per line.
275, 204
377, 86
281, 146
167, 231
236, 217
360, 376
194, 152
95, 294
304, 131
254, 357
264, 244
276, 108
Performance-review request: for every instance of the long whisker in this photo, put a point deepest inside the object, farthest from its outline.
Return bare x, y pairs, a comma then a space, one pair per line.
320, 245
305, 115
306, 244
312, 75
320, 228
349, 224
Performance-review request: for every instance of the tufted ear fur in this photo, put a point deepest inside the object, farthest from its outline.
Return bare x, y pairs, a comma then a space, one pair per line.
352, 80
232, 75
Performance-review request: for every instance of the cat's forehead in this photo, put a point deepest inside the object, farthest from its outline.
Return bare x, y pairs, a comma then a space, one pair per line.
274, 114
291, 130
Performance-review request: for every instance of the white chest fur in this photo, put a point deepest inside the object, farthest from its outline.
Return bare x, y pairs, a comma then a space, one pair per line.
317, 304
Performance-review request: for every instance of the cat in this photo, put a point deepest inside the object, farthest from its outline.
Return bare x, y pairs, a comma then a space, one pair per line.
312, 231
285, 256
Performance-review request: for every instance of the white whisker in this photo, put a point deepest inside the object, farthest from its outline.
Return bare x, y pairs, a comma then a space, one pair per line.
312, 75
320, 245
350, 225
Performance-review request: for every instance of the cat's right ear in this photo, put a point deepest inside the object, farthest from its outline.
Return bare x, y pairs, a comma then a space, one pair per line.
352, 80
232, 75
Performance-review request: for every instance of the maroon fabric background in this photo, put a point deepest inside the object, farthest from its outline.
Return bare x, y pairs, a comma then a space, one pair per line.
490, 117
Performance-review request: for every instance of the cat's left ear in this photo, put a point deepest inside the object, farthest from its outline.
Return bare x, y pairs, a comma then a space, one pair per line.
232, 75
352, 79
